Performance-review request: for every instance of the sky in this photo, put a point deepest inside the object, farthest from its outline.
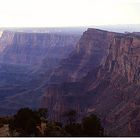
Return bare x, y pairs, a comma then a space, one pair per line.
66, 13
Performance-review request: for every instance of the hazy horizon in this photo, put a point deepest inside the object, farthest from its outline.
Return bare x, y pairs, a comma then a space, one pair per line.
120, 28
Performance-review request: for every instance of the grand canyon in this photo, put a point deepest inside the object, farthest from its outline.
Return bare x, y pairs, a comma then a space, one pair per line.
89, 70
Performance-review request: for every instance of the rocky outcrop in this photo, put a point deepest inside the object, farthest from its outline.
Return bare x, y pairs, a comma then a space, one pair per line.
90, 53
111, 89
116, 89
124, 57
6, 39
32, 48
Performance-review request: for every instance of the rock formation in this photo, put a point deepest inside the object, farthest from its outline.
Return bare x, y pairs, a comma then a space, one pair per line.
117, 87
90, 53
102, 76
32, 48
110, 88
24, 60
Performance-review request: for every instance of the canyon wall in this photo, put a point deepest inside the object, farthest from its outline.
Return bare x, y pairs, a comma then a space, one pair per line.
66, 82
101, 75
90, 52
116, 88
24, 60
109, 88
31, 48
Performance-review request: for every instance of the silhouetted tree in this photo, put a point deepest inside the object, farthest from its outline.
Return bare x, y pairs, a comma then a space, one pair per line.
74, 129
71, 116
55, 129
58, 124
25, 122
91, 126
